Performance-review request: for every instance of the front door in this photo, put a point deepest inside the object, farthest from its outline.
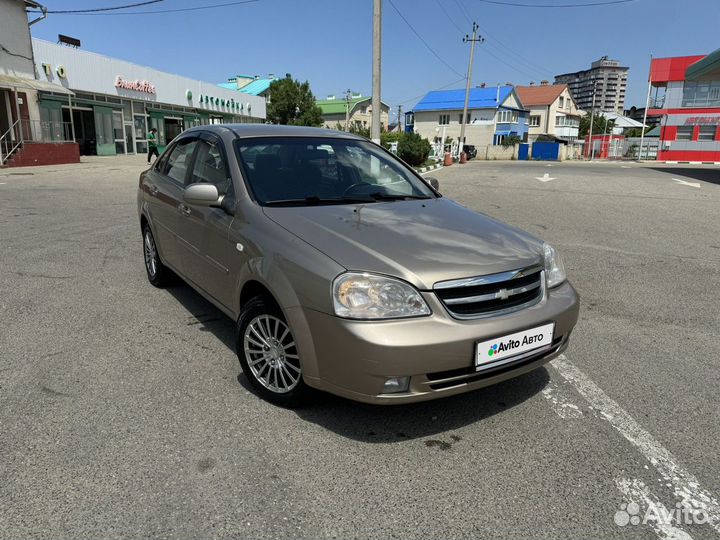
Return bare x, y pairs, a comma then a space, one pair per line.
164, 187
214, 262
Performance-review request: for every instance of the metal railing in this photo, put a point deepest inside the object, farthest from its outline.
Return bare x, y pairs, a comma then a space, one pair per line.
10, 141
24, 131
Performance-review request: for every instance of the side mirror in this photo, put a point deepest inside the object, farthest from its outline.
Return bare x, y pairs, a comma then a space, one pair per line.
433, 183
202, 195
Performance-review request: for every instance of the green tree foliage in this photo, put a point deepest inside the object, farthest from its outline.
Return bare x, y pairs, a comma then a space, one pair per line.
599, 126
511, 140
292, 103
389, 137
357, 129
413, 149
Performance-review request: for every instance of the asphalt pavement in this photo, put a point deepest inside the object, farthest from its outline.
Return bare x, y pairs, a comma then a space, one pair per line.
124, 413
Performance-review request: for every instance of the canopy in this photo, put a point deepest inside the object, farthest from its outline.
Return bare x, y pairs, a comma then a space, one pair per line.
11, 81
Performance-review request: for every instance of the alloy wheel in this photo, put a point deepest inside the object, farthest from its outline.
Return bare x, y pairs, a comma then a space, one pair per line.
271, 354
150, 254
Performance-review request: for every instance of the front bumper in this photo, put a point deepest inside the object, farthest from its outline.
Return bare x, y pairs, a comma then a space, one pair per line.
354, 358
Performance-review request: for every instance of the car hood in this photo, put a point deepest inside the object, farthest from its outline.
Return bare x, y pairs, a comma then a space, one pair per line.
423, 241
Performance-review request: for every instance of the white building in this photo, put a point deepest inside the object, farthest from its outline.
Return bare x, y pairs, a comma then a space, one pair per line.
553, 111
116, 102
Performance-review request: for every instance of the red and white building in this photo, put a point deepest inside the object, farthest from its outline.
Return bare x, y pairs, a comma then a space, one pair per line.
685, 94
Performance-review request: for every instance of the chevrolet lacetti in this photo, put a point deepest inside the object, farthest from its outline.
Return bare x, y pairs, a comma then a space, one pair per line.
344, 270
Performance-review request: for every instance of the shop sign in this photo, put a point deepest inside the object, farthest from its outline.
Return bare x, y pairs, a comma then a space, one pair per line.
221, 102
137, 85
702, 121
60, 70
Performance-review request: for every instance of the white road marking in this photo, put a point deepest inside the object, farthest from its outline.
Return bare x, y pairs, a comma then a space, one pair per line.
635, 491
2, 183
686, 486
544, 178
625, 167
685, 183
560, 403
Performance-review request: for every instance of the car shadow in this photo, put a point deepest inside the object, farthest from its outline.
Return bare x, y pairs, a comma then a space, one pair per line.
376, 423
704, 174
387, 424
205, 314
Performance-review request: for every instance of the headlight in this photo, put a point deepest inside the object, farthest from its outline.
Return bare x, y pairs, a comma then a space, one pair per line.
554, 269
368, 296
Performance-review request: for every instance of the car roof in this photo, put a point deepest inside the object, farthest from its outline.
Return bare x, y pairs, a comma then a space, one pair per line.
271, 130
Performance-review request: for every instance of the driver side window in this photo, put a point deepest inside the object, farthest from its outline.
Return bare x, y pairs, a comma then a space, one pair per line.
209, 167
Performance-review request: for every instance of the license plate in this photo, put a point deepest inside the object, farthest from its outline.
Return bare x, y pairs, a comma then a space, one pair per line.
504, 347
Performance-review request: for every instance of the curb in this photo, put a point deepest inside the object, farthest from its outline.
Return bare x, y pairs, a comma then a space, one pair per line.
690, 162
427, 169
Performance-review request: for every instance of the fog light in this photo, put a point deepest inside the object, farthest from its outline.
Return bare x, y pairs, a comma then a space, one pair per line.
396, 385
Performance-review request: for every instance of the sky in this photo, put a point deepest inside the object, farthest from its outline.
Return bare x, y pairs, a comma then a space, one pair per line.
329, 42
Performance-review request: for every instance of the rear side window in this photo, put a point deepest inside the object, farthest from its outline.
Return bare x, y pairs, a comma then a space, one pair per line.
179, 159
210, 167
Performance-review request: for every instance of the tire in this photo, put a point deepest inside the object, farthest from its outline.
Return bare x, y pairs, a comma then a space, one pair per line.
268, 354
158, 274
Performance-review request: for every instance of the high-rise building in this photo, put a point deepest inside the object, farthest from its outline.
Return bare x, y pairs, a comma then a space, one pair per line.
608, 78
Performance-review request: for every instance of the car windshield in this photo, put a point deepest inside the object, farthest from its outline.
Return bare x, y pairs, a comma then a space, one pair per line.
303, 171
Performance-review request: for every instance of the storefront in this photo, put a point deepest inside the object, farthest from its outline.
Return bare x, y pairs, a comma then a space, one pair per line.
116, 103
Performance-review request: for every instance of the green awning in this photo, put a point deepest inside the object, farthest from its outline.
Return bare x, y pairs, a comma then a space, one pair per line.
707, 68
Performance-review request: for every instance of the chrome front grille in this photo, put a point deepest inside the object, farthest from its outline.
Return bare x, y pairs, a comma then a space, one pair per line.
492, 294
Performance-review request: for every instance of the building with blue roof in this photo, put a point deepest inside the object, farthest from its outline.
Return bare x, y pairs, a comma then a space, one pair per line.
251, 85
494, 113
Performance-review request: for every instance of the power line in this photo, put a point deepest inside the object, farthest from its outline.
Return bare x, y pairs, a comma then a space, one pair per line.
513, 67
447, 14
421, 39
433, 90
506, 49
76, 11
517, 63
463, 11
172, 10
589, 4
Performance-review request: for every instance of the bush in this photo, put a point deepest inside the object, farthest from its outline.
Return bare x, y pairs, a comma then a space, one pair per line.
388, 137
413, 149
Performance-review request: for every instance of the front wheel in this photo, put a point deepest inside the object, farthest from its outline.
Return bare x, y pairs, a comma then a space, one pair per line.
269, 355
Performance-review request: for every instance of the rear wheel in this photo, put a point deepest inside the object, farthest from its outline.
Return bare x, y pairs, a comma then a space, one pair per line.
158, 274
269, 355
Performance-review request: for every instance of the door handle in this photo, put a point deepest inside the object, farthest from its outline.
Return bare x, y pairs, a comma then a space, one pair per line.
184, 209
154, 190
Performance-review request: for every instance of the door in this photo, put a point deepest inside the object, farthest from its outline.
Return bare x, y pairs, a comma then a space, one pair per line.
164, 185
214, 261
129, 142
105, 139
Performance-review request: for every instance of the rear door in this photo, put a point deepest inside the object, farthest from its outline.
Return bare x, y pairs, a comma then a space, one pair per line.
165, 184
215, 261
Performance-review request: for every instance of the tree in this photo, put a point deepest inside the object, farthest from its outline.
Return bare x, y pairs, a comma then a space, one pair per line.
599, 126
293, 103
413, 149
512, 140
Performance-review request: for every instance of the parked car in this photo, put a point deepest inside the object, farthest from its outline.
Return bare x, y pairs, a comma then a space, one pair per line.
344, 270
470, 151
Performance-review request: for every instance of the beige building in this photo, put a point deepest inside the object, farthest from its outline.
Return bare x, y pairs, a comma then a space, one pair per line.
553, 111
334, 111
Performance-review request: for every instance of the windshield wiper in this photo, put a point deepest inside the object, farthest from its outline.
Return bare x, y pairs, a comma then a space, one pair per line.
315, 200
378, 196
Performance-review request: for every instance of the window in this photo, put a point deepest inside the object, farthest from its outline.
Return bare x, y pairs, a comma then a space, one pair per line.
444, 119
707, 133
505, 117
178, 160
294, 171
701, 94
684, 133
562, 102
534, 120
209, 167
467, 120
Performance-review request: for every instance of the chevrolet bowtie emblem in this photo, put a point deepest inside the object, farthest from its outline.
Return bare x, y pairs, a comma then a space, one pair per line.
502, 294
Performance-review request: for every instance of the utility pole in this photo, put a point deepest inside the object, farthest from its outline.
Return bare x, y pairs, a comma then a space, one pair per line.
592, 117
348, 96
474, 39
647, 105
376, 72
399, 118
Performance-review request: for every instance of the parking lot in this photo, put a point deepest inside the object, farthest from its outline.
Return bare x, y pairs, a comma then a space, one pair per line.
123, 410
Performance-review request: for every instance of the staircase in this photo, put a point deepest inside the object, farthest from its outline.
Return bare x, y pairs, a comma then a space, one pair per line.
10, 144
